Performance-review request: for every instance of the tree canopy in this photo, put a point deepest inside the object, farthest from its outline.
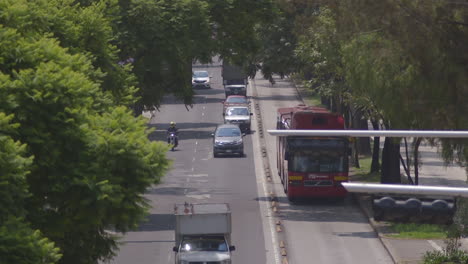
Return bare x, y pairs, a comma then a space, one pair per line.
398, 60
75, 159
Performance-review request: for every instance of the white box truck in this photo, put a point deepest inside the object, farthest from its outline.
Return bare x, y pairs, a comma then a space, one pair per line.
203, 233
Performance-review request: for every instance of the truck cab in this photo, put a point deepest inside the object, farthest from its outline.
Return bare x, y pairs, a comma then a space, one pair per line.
201, 249
203, 234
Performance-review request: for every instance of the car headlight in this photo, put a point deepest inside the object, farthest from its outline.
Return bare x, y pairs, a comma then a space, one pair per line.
238, 141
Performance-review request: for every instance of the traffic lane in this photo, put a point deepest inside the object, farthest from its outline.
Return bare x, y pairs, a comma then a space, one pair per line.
152, 242
234, 182
330, 230
327, 227
189, 181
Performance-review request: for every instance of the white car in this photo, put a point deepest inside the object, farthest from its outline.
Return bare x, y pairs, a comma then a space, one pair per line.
201, 79
238, 115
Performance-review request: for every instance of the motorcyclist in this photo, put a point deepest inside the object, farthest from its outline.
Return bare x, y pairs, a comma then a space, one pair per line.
173, 129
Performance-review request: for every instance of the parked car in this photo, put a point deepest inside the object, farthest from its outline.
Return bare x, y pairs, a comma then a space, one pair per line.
201, 79
227, 139
238, 115
235, 100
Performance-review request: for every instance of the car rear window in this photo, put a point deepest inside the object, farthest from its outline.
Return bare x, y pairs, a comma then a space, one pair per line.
237, 111
228, 132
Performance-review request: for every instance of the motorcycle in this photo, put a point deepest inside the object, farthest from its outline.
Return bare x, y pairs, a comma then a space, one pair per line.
173, 140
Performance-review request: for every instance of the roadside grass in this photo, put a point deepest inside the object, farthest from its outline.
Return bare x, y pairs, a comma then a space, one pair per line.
418, 231
398, 230
362, 174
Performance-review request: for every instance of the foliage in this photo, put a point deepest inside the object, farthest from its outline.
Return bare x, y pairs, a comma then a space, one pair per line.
277, 43
396, 61
18, 242
454, 256
75, 162
164, 37
84, 30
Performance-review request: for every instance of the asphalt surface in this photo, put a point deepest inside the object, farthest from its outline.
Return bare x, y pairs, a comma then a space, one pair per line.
311, 231
197, 177
315, 231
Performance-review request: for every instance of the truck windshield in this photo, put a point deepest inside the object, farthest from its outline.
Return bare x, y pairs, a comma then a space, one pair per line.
319, 160
204, 244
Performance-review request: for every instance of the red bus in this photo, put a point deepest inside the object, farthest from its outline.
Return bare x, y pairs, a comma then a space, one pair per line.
312, 166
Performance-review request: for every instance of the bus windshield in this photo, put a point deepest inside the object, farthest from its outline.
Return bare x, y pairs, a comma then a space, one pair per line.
319, 160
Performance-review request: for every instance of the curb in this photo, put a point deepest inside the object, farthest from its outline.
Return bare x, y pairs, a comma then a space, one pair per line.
372, 223
272, 199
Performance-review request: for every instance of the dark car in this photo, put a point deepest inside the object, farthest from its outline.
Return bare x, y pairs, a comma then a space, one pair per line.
227, 139
235, 100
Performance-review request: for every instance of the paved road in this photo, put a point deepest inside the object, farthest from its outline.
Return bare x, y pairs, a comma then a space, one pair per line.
319, 232
197, 177
316, 232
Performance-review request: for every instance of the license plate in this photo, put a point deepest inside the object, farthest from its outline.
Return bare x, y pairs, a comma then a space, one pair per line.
228, 150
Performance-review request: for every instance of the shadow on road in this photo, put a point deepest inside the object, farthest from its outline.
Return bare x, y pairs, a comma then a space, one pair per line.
318, 210
157, 222
183, 135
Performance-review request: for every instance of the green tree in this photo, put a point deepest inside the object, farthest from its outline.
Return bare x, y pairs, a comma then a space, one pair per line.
18, 242
93, 160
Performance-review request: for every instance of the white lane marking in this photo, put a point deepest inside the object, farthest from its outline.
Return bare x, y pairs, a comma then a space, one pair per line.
202, 114
193, 160
169, 257
198, 196
203, 107
196, 142
434, 245
198, 175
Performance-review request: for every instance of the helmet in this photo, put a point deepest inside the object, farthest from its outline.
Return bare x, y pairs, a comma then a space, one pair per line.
172, 124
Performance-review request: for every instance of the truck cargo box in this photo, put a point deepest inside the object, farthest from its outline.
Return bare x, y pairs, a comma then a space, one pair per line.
202, 219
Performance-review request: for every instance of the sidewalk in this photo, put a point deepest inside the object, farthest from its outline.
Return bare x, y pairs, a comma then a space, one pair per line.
411, 251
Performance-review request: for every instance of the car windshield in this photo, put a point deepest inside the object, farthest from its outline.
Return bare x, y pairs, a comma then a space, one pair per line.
228, 132
204, 244
240, 100
200, 74
318, 161
237, 111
